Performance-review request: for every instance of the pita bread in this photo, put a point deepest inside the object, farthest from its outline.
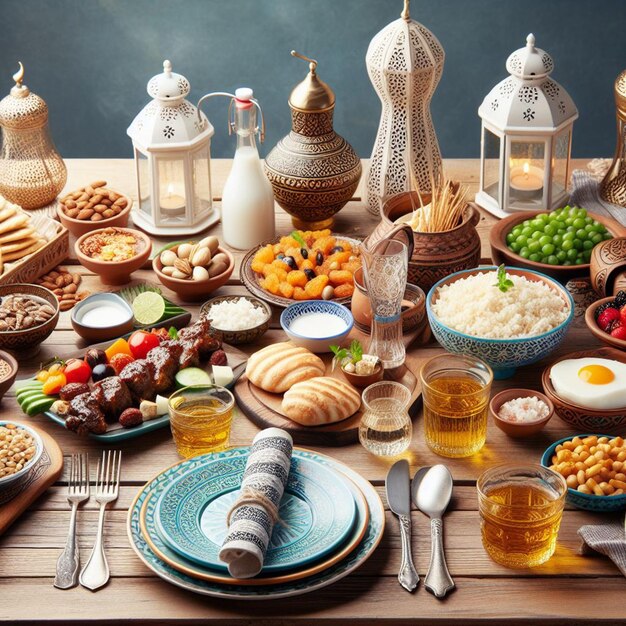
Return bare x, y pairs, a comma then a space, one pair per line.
7, 212
16, 235
14, 256
13, 222
14, 246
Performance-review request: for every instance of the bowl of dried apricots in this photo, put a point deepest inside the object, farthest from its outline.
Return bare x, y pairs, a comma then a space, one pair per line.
305, 265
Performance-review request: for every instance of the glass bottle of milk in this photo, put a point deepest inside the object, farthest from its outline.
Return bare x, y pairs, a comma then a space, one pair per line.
247, 199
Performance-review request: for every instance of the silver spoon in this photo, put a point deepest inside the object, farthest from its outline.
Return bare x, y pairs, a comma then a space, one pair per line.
432, 496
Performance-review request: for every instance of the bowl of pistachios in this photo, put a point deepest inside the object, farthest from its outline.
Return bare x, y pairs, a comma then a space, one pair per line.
194, 269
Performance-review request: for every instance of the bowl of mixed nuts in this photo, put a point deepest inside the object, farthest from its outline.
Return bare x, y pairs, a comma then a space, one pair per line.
194, 269
21, 448
93, 206
28, 315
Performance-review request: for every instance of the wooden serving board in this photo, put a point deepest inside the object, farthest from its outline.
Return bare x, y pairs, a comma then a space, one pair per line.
264, 408
49, 467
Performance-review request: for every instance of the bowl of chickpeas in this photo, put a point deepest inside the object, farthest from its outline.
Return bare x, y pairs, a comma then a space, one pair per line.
594, 468
21, 448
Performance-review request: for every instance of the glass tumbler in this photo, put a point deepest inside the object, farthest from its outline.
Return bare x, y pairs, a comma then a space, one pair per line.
521, 509
386, 427
200, 419
385, 271
455, 392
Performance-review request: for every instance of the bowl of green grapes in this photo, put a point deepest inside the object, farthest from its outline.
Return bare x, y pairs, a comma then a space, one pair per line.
557, 243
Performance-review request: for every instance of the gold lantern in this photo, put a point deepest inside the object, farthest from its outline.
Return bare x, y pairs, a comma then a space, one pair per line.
32, 172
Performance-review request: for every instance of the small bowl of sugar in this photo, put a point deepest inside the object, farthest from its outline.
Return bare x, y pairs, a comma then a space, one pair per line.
237, 320
521, 412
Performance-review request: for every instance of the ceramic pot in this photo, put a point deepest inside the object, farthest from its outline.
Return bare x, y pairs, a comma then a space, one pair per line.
607, 266
435, 255
518, 429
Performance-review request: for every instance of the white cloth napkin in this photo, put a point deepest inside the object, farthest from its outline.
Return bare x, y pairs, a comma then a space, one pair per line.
585, 194
608, 539
253, 515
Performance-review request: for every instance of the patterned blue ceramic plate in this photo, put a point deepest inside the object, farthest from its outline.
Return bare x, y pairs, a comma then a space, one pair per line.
318, 511
354, 560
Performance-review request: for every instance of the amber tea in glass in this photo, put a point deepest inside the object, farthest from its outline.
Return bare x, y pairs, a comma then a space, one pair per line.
521, 509
455, 392
200, 419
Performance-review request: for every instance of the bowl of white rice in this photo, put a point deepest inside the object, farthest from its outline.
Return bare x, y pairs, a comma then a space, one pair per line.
470, 314
237, 319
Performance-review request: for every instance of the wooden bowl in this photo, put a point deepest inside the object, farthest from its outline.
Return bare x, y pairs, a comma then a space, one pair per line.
596, 331
595, 420
115, 272
7, 380
26, 341
607, 266
80, 227
362, 380
239, 337
500, 252
193, 290
518, 429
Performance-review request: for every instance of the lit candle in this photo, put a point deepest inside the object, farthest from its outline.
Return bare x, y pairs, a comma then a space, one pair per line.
172, 202
527, 180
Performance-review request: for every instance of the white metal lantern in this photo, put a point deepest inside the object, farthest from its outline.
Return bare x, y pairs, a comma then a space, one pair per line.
527, 122
172, 147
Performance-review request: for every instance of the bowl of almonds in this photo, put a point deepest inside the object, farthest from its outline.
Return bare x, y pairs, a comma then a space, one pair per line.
28, 315
21, 448
93, 206
194, 269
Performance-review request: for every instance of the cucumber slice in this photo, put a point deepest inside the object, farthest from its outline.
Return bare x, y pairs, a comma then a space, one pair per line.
25, 397
27, 386
38, 405
192, 376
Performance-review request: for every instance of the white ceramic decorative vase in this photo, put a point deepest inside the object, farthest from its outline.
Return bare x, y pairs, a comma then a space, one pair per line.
404, 62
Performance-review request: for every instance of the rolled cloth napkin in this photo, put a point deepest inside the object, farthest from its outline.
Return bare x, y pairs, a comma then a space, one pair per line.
252, 517
608, 539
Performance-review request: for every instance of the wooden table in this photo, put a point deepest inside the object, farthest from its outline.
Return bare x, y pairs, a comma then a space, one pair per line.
568, 589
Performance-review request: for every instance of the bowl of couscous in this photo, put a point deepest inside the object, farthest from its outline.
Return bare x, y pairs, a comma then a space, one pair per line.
506, 316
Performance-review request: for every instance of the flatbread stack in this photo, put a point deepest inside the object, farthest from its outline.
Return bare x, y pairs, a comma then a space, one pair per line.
18, 235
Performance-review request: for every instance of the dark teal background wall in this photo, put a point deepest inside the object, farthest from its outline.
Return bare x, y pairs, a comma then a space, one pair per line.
91, 60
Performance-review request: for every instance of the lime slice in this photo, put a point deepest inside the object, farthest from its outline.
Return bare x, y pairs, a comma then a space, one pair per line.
148, 307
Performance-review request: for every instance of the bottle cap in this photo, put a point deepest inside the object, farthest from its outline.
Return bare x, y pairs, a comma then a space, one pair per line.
243, 98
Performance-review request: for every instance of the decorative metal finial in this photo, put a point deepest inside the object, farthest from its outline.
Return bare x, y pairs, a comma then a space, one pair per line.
405, 12
18, 77
530, 40
167, 68
312, 62
19, 90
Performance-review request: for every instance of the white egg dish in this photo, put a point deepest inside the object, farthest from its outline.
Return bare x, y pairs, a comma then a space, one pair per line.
591, 383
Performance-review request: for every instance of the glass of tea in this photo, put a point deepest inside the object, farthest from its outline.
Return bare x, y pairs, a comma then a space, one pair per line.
521, 509
455, 392
200, 419
386, 428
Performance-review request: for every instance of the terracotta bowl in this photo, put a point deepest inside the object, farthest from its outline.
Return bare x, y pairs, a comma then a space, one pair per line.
413, 305
193, 290
118, 272
80, 227
239, 337
502, 355
7, 380
518, 429
361, 381
607, 267
500, 253
590, 320
96, 334
435, 255
26, 341
579, 416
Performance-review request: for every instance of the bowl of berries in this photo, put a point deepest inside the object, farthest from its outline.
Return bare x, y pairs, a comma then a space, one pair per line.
606, 319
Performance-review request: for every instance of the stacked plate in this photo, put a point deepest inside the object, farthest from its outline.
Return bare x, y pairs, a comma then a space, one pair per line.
331, 520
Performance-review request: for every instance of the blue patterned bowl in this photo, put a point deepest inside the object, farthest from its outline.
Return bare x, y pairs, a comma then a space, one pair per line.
313, 338
502, 355
602, 504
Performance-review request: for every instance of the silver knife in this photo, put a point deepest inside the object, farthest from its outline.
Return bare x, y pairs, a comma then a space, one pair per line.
398, 489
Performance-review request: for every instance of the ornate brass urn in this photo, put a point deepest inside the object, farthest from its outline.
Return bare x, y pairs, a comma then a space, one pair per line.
313, 170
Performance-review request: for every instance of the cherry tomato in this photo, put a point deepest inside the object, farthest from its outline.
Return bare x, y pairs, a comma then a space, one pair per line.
53, 384
77, 371
161, 333
141, 342
120, 361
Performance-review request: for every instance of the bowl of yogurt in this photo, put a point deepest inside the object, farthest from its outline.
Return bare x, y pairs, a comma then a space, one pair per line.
317, 324
102, 316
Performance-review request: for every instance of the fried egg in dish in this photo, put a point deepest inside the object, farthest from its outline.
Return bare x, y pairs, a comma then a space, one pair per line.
592, 383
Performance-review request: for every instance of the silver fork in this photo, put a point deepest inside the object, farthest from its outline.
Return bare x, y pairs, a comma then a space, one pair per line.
77, 492
96, 573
